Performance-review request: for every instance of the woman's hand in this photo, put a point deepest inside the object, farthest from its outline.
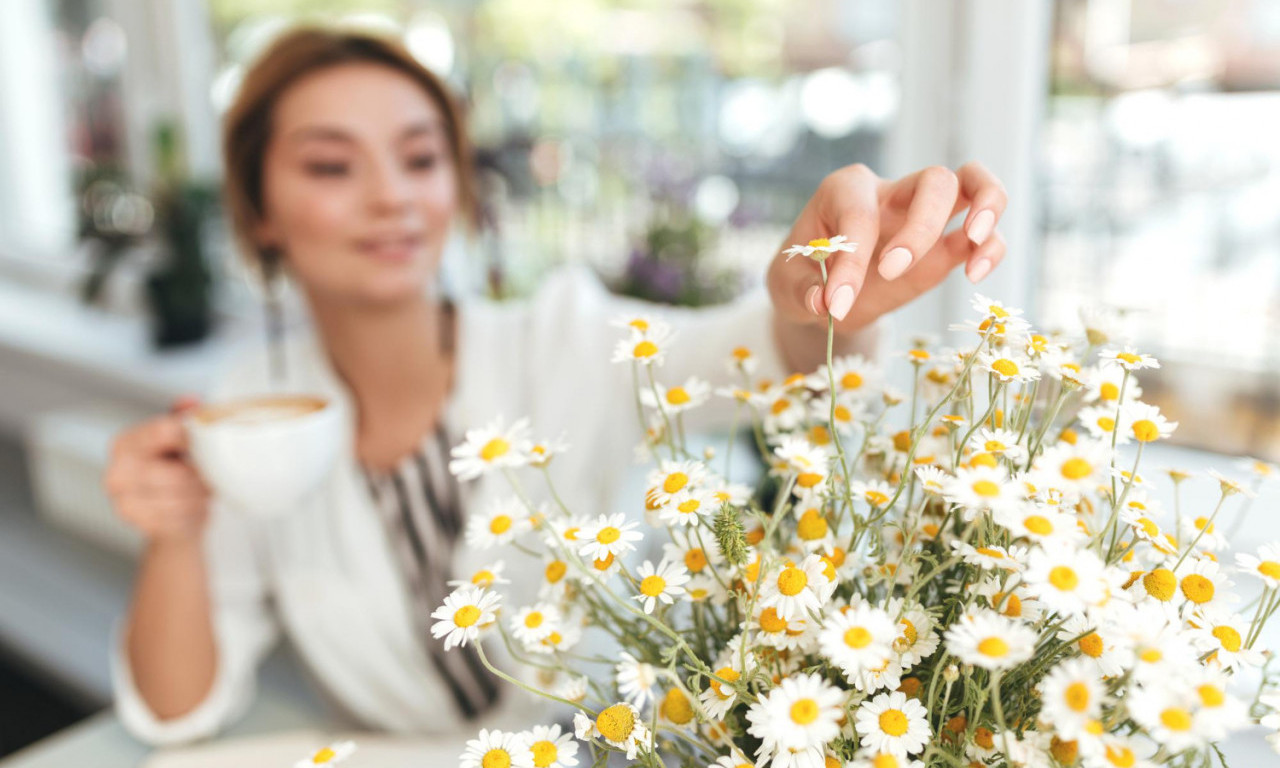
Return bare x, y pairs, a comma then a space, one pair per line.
152, 483
901, 249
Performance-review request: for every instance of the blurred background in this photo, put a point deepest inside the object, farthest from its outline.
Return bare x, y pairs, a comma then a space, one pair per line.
669, 144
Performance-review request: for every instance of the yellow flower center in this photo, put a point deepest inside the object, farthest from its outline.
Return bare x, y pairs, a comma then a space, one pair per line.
857, 637
1077, 696
1228, 637
608, 535
483, 578
494, 448
676, 707
556, 570
851, 380
689, 506
984, 738
885, 760
994, 446
496, 758
533, 620
821, 242
986, 488
644, 349
791, 581
1160, 584
1150, 655
804, 711
1005, 367
876, 498
812, 525
1211, 695
466, 616
652, 586
989, 552
994, 647
728, 674
909, 634
323, 756
678, 396
1108, 391
893, 722
1064, 578
1120, 756
1197, 589
675, 481
808, 479
1176, 719
1148, 527
1129, 357
1091, 645
1106, 423
1076, 468
983, 459
1038, 524
695, 560
544, 753
780, 405
1145, 430
500, 524
741, 353
616, 723
1065, 752
602, 564
770, 621
1270, 569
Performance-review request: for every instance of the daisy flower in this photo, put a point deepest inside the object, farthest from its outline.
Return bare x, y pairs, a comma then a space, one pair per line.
802, 712
688, 507
1121, 752
491, 447
663, 583
696, 559
821, 248
647, 348
856, 639
534, 623
808, 461
1007, 366
999, 442
719, 696
1144, 422
735, 760
996, 310
893, 723
1040, 524
1103, 646
491, 748
619, 725
465, 612
1065, 580
543, 451
546, 747
484, 577
989, 640
635, 679
1204, 584
1230, 487
499, 524
1077, 468
672, 477
678, 399
991, 556
916, 639
1221, 633
868, 759
1104, 383
855, 376
1071, 697
1100, 421
797, 590
1128, 358
332, 754
1265, 566
932, 479
1167, 715
1219, 713
774, 631
608, 537
640, 323
982, 488
876, 493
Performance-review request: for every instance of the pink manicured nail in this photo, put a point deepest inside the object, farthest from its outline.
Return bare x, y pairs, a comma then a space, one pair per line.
810, 299
841, 302
979, 270
981, 226
894, 263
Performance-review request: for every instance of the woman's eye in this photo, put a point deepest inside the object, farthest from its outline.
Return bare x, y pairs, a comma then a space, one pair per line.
326, 169
422, 162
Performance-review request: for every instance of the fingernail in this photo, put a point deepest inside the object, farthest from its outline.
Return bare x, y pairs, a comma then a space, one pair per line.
809, 298
981, 226
894, 263
979, 270
841, 302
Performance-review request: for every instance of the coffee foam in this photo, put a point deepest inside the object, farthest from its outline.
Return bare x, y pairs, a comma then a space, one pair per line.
260, 410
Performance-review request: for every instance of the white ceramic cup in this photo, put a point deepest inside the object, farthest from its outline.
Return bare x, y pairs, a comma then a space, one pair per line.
267, 454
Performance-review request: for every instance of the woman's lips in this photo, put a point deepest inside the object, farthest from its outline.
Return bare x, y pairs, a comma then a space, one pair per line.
397, 249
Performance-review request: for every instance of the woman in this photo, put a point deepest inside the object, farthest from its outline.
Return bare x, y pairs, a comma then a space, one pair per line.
349, 161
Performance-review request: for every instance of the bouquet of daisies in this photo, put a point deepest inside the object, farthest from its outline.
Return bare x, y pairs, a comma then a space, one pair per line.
974, 574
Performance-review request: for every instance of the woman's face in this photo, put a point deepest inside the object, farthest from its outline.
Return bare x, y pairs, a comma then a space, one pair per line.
359, 186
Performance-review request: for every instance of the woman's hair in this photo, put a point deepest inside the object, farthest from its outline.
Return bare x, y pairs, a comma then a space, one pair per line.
300, 52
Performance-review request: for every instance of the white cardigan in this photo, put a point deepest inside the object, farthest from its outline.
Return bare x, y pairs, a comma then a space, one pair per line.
328, 569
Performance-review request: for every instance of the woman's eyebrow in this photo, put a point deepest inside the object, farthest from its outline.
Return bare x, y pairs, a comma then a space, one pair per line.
424, 128
319, 133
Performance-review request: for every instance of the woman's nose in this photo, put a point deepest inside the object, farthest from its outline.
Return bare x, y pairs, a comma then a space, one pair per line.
388, 186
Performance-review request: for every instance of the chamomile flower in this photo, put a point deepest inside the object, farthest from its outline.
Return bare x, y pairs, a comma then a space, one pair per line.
1128, 358
1040, 524
821, 248
485, 577
1265, 565
810, 463
1121, 752
688, 507
491, 447
1102, 645
635, 679
855, 376
1071, 697
608, 536
546, 747
982, 488
1065, 580
990, 556
932, 479
332, 754
640, 323
773, 631
1105, 384
672, 477
1218, 712
1204, 584
999, 442
797, 589
1007, 366
534, 623
996, 310
987, 639
491, 748
662, 584
647, 348
876, 493
541, 452
916, 638
1229, 486
1144, 422
719, 696
893, 723
1074, 468
465, 612
500, 523
619, 725
1101, 423
857, 639
735, 760
1167, 714
802, 712
678, 399
1222, 634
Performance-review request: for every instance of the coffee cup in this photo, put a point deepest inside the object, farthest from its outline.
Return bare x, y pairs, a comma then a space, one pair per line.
265, 454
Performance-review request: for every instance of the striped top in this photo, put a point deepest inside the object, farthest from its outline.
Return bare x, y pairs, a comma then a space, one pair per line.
420, 502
